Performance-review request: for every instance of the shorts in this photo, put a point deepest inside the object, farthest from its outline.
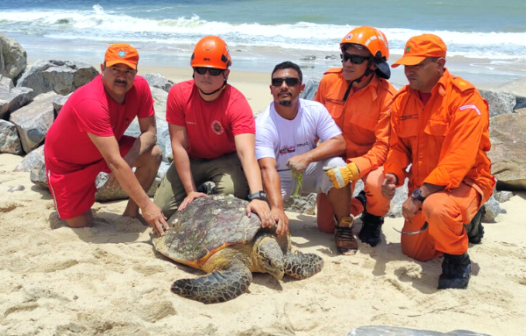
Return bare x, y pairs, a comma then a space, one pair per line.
74, 192
314, 178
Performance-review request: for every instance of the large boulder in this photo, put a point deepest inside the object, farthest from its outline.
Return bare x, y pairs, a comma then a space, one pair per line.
13, 58
62, 77
9, 140
400, 331
59, 103
34, 120
508, 150
12, 98
31, 160
159, 97
311, 86
158, 81
499, 102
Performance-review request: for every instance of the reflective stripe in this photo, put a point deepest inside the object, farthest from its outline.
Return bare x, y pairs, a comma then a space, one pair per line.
52, 191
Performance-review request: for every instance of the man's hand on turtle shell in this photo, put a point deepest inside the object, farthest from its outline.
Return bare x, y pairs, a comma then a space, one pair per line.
189, 199
261, 208
281, 219
155, 217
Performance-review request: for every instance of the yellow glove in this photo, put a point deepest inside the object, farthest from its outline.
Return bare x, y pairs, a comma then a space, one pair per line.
341, 176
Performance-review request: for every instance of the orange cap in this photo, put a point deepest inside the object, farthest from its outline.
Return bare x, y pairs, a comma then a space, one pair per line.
419, 47
122, 53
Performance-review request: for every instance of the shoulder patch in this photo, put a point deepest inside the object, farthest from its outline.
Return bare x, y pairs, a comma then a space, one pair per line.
461, 84
470, 106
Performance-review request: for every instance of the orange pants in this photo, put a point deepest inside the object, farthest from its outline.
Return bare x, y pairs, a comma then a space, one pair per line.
446, 212
377, 205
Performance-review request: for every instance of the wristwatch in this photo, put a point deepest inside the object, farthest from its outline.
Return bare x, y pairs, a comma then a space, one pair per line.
416, 195
260, 195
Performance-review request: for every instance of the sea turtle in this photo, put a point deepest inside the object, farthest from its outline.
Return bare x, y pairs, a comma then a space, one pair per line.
214, 234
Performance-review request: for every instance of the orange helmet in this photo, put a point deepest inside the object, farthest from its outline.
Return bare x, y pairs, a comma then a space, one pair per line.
211, 52
375, 41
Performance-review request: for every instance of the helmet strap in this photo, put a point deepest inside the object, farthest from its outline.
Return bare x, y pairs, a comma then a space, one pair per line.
215, 91
366, 74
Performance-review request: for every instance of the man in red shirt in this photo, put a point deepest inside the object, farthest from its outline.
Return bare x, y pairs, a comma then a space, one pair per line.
212, 132
88, 138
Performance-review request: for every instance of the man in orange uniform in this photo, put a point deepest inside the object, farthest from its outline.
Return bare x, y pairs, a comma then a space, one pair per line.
440, 126
358, 96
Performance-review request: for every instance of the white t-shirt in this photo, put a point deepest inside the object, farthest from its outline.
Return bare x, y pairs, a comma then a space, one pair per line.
282, 139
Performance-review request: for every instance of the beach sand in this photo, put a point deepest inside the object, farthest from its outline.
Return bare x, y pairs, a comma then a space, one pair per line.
108, 280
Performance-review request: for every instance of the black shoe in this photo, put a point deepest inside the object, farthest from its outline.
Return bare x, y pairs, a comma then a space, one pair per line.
362, 198
475, 230
456, 271
371, 229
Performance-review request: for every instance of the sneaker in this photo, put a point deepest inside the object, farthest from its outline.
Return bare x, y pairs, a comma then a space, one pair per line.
345, 241
371, 229
474, 229
456, 271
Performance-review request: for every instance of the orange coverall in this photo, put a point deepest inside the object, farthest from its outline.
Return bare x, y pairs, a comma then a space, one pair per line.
446, 141
364, 119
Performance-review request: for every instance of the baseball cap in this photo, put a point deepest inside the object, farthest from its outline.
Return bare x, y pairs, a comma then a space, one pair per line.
419, 47
122, 53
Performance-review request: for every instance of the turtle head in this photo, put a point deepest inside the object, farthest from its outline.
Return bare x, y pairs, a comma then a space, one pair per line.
270, 257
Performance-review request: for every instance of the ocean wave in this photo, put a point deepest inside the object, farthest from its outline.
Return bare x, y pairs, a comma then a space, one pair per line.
98, 25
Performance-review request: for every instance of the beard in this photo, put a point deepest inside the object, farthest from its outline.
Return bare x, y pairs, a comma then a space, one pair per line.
285, 103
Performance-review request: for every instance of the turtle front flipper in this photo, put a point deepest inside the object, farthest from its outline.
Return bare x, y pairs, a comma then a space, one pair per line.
218, 286
302, 265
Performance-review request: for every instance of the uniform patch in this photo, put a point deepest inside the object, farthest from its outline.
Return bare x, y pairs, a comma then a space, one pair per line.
473, 107
348, 37
122, 53
217, 127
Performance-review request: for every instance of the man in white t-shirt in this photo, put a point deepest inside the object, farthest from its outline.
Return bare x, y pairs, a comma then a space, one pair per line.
286, 136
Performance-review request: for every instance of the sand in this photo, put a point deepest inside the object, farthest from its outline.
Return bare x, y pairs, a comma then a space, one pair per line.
108, 280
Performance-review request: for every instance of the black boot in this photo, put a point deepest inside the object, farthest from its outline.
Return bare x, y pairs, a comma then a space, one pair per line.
371, 229
456, 270
475, 230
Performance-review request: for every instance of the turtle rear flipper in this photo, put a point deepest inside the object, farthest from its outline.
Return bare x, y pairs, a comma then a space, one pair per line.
302, 265
218, 286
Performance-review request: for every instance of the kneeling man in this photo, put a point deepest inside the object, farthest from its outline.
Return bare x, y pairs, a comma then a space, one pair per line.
88, 138
286, 135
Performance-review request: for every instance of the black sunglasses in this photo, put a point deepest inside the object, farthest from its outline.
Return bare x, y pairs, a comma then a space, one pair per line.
290, 81
355, 59
211, 71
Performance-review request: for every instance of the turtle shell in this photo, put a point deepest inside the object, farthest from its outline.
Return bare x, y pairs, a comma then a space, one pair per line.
206, 226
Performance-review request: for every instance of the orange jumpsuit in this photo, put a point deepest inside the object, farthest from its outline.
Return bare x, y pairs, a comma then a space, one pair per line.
364, 119
446, 142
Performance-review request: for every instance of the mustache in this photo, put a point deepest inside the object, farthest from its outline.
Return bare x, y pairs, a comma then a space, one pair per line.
117, 81
286, 92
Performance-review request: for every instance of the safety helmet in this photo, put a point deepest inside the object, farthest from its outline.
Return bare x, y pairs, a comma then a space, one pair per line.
211, 52
375, 41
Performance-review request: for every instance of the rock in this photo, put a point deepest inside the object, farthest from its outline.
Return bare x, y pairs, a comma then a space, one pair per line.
31, 160
311, 86
37, 174
59, 102
521, 102
6, 82
492, 210
331, 57
163, 140
159, 81
105, 193
34, 120
503, 196
508, 151
13, 58
12, 99
305, 204
9, 140
397, 331
159, 97
308, 58
62, 77
499, 102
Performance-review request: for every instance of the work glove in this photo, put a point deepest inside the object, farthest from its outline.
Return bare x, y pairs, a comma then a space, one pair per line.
341, 176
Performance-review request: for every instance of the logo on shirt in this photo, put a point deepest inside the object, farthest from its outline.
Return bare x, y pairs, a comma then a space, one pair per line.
287, 150
408, 117
303, 144
217, 127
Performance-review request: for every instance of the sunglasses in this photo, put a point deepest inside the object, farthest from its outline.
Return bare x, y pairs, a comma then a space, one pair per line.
211, 71
290, 81
355, 59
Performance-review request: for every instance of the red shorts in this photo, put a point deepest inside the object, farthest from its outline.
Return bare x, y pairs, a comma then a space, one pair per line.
74, 193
